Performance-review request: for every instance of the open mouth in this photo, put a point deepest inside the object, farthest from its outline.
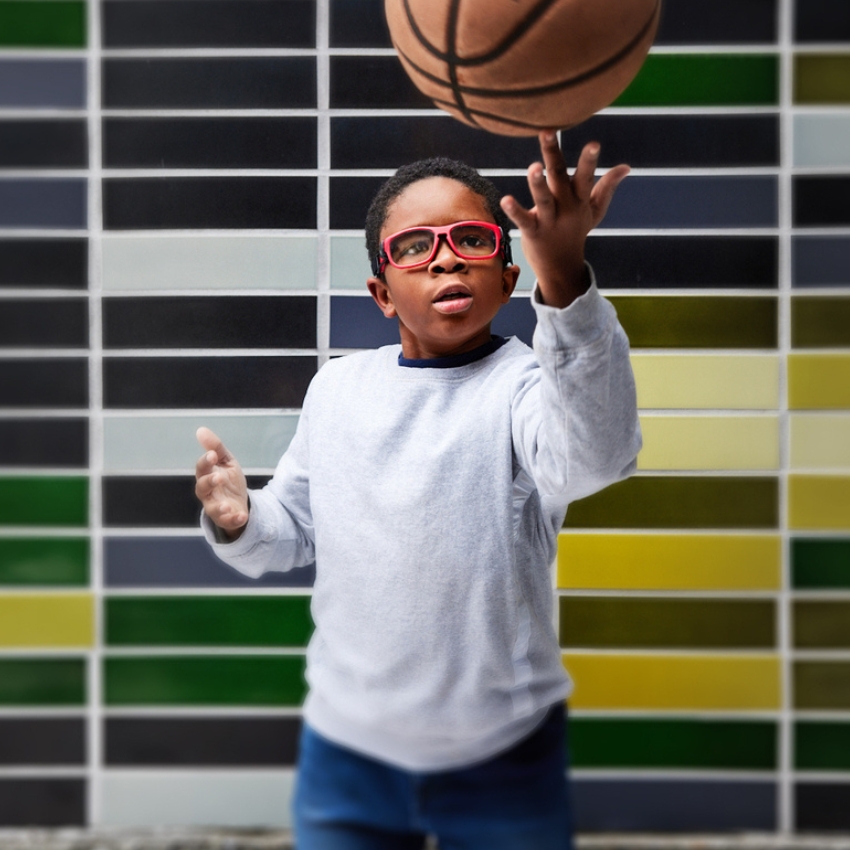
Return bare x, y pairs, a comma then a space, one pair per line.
452, 296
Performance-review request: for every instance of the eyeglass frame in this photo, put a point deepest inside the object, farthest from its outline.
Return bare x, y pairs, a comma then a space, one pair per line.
379, 263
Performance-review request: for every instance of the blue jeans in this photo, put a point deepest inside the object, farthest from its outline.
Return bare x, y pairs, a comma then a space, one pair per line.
515, 801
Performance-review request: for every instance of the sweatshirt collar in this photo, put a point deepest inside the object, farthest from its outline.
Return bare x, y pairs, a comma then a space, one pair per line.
454, 360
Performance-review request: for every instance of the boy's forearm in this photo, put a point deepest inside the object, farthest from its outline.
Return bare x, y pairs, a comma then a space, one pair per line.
561, 290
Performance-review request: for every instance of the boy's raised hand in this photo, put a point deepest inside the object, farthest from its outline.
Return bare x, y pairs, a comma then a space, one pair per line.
220, 485
566, 208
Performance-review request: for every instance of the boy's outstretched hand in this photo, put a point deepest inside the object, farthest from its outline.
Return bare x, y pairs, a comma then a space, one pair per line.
220, 485
565, 210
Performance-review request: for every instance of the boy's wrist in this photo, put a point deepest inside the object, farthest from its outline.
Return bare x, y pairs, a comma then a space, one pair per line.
560, 291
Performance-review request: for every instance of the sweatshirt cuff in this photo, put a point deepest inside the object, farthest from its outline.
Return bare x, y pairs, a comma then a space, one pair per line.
229, 548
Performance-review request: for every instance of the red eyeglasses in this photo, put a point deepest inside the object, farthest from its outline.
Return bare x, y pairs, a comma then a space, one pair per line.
417, 246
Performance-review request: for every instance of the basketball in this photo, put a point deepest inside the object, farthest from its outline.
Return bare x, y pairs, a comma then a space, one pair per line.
516, 67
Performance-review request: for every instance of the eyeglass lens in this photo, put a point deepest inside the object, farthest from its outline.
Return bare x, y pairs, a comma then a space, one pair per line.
469, 241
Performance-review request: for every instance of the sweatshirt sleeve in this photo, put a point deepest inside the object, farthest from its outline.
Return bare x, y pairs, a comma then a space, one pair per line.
575, 423
279, 534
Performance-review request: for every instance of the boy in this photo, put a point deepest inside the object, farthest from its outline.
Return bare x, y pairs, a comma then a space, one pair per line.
428, 482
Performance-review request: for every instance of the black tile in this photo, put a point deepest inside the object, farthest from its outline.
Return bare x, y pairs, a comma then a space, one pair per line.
56, 443
358, 23
42, 740
684, 262
821, 20
207, 382
26, 802
209, 202
822, 806
236, 82
45, 143
244, 741
210, 322
183, 562
719, 22
44, 382
821, 200
373, 82
48, 263
209, 142
640, 140
154, 501
45, 323
209, 23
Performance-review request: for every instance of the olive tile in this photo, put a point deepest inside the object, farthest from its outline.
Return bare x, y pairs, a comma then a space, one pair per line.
820, 441
822, 78
46, 561
821, 745
669, 561
46, 620
821, 685
208, 621
820, 321
50, 23
44, 500
44, 263
204, 680
818, 502
680, 502
42, 681
818, 381
820, 563
54, 443
648, 623
820, 624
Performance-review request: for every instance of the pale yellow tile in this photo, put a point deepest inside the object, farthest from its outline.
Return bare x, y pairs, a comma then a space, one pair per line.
669, 561
819, 502
820, 441
46, 620
818, 381
707, 381
709, 442
675, 682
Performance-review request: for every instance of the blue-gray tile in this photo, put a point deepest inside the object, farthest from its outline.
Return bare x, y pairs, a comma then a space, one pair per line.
821, 260
43, 83
48, 203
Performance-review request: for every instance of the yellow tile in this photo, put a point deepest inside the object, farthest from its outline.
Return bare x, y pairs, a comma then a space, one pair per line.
693, 683
820, 441
709, 442
819, 502
818, 381
669, 561
707, 381
44, 620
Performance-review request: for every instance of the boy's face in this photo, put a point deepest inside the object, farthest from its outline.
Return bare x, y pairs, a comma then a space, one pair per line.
446, 306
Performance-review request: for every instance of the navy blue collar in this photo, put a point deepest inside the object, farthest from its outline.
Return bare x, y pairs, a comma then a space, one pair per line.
453, 360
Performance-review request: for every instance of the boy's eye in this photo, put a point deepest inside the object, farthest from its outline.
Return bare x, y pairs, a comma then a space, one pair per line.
411, 247
476, 240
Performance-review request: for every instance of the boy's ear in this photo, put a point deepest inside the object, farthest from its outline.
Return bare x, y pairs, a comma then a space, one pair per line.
510, 274
379, 290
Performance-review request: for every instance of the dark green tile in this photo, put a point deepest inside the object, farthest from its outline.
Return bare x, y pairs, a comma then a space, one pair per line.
608, 622
48, 500
822, 78
692, 79
44, 561
205, 680
670, 321
654, 743
820, 745
822, 685
820, 322
821, 624
42, 681
820, 563
647, 501
208, 621
47, 23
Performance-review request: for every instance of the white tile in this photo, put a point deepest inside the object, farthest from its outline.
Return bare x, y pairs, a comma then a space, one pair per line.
822, 140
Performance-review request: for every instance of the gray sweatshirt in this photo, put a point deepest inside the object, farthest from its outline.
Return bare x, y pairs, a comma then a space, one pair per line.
430, 500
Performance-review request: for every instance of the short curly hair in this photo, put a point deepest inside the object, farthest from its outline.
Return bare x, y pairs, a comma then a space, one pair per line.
422, 169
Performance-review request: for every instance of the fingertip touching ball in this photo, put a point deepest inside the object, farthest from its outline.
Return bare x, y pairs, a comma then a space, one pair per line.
515, 67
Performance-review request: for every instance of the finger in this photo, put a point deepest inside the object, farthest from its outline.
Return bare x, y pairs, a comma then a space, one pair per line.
517, 213
553, 160
604, 190
206, 463
541, 193
212, 442
583, 178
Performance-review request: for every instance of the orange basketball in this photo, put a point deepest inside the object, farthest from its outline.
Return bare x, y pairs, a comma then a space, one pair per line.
518, 66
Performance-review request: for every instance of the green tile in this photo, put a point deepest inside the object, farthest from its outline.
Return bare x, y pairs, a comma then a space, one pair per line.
820, 745
205, 680
822, 78
820, 322
822, 685
42, 23
44, 500
820, 563
208, 621
691, 79
607, 622
44, 561
679, 321
647, 501
821, 624
42, 681
652, 743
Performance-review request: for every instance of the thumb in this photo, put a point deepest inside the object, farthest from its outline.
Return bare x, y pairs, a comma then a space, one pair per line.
210, 441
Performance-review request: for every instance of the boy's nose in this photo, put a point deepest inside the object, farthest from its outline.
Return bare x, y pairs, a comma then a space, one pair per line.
445, 260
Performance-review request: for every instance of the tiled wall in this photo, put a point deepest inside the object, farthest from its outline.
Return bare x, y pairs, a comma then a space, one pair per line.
182, 190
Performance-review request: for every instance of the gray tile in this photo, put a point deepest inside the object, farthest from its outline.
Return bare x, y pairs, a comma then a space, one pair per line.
43, 83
